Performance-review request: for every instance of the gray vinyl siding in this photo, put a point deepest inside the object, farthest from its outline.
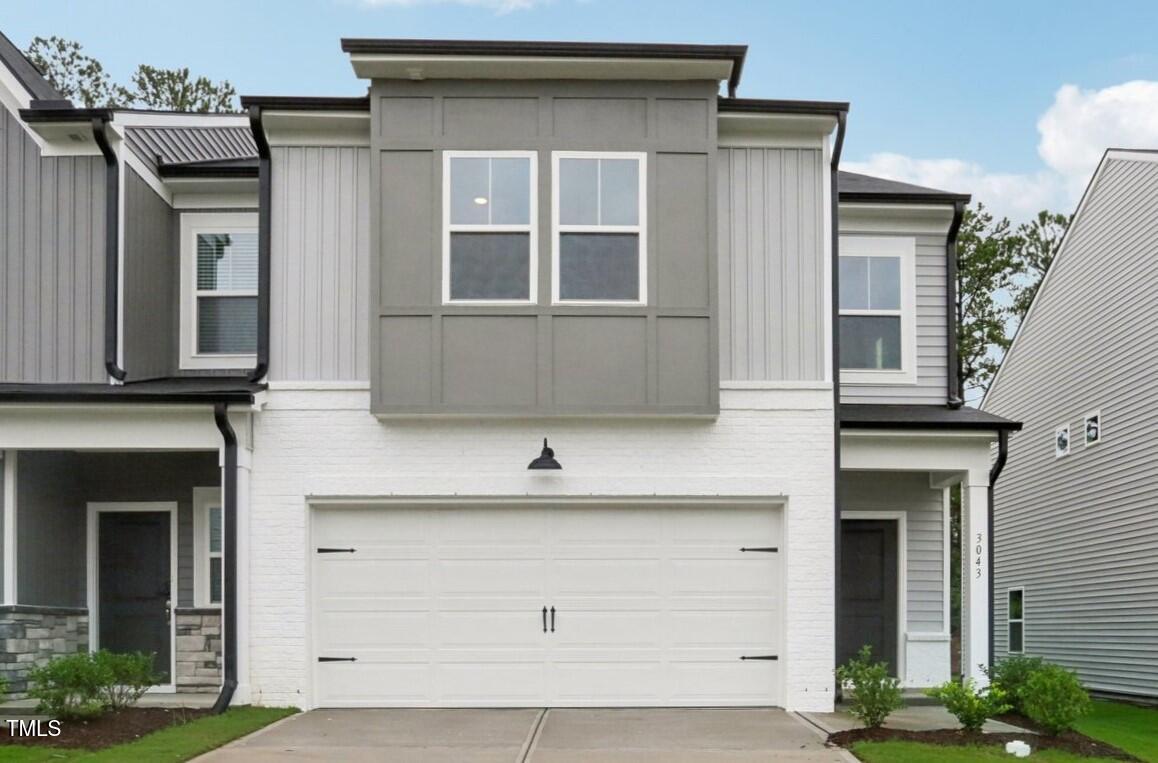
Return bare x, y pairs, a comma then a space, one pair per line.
932, 333
1080, 532
52, 230
544, 359
925, 545
772, 264
151, 281
320, 269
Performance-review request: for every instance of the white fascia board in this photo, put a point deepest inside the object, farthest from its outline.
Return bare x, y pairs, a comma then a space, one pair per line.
163, 119
420, 67
112, 427
770, 130
316, 128
910, 219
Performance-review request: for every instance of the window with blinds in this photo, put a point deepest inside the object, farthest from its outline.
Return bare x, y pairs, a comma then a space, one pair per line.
218, 290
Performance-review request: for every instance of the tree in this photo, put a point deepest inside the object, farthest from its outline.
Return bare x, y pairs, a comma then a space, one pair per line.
1038, 241
83, 80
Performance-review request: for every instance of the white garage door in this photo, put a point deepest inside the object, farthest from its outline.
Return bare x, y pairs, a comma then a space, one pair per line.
444, 607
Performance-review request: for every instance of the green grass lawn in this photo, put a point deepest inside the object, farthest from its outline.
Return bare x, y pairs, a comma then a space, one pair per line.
172, 744
1130, 728
1133, 729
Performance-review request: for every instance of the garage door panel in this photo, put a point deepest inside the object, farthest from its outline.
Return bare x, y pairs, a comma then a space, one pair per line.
601, 577
456, 577
715, 575
362, 577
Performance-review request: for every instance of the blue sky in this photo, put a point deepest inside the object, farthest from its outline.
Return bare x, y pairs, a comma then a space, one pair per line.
946, 95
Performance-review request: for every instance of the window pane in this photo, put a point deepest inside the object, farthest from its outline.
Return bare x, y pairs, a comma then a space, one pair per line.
1015, 605
469, 194
215, 529
854, 283
599, 266
578, 197
226, 261
1016, 637
215, 581
870, 342
227, 325
619, 192
490, 265
510, 191
884, 283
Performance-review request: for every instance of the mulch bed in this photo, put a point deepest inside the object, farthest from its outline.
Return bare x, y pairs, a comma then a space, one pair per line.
108, 730
1071, 741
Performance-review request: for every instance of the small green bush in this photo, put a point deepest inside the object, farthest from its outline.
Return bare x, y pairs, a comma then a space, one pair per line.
875, 694
1011, 676
85, 684
969, 705
1054, 698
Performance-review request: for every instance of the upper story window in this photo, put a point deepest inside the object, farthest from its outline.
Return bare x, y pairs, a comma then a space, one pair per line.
218, 290
489, 216
877, 310
600, 248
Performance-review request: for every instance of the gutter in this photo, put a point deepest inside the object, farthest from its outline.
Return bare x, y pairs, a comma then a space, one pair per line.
952, 313
834, 183
264, 230
229, 560
994, 473
112, 242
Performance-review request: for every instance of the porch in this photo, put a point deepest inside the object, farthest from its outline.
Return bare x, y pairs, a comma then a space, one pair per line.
116, 550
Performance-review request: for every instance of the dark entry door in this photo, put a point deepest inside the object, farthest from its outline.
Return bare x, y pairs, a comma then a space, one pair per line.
135, 585
868, 588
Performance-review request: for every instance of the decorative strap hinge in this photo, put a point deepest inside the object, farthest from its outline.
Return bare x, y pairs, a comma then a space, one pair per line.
760, 657
336, 550
765, 549
337, 659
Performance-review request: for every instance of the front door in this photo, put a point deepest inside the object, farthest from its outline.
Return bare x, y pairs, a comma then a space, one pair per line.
868, 588
135, 585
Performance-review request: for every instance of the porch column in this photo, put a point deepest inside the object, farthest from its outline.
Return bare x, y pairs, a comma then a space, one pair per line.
241, 696
8, 504
975, 576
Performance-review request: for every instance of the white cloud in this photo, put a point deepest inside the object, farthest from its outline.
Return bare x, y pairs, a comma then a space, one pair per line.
498, 6
1074, 132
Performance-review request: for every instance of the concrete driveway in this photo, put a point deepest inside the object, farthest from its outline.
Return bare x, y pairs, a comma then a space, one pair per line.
534, 736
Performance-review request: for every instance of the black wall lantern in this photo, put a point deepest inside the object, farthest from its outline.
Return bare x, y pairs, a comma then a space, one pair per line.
546, 459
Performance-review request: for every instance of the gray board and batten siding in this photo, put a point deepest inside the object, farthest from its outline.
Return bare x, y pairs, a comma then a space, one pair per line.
543, 359
151, 282
51, 262
1080, 532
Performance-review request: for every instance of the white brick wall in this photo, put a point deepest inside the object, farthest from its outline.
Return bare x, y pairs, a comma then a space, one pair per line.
325, 444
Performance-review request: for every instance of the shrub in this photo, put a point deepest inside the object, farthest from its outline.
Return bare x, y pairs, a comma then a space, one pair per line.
876, 694
1011, 675
124, 677
1054, 698
84, 685
969, 705
67, 687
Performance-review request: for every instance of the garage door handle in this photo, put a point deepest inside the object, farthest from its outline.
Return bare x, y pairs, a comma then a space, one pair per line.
544, 619
552, 619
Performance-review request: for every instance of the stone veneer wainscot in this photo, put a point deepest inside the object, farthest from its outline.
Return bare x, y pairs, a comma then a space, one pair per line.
198, 649
32, 636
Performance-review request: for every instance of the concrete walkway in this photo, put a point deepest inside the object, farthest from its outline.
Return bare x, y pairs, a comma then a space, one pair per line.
911, 718
535, 736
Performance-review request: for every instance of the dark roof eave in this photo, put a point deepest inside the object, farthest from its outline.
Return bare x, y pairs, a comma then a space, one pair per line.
306, 103
59, 114
922, 417
773, 106
886, 197
205, 170
178, 391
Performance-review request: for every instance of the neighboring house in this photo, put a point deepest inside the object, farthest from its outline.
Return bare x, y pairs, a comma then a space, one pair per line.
1076, 522
282, 374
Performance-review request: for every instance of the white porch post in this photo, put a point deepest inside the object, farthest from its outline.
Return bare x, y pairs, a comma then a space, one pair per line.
241, 695
8, 502
975, 576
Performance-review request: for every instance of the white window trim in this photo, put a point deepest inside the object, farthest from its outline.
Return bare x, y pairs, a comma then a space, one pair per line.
204, 498
531, 228
557, 228
1009, 620
1085, 423
193, 223
1069, 441
905, 249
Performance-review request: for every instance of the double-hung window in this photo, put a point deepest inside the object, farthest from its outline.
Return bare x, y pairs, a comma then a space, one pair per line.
207, 546
489, 217
218, 290
1016, 620
877, 306
599, 239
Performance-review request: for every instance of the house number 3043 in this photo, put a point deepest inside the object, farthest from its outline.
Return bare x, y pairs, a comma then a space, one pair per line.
979, 550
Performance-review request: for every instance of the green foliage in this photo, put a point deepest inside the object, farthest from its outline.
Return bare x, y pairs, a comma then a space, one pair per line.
86, 684
1011, 676
1127, 727
82, 79
970, 706
1054, 698
1038, 242
875, 694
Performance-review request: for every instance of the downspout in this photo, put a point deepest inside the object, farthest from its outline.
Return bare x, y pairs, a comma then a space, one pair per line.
994, 473
955, 398
837, 148
112, 245
264, 227
229, 560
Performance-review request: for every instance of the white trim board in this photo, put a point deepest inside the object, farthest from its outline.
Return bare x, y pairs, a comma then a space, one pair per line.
901, 518
92, 582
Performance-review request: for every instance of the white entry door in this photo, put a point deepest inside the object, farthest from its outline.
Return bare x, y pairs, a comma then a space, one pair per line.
546, 606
